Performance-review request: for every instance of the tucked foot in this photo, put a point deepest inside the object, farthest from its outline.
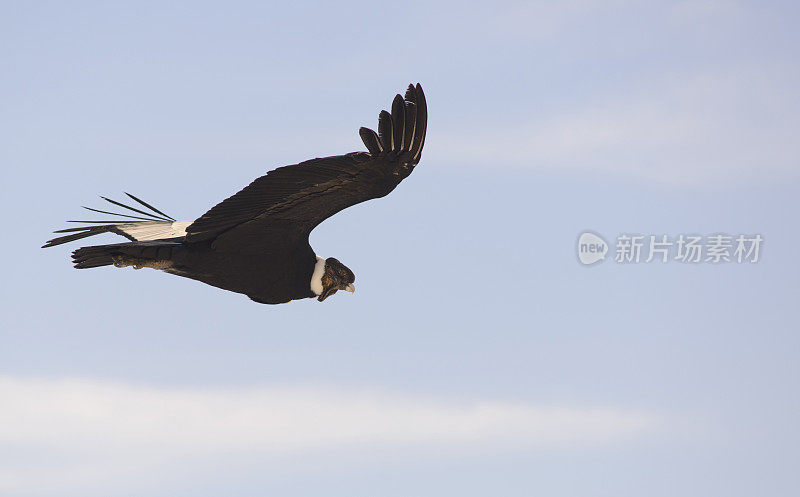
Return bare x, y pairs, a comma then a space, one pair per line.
125, 261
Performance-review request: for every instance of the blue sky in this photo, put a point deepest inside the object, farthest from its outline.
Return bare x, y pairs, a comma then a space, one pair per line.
477, 357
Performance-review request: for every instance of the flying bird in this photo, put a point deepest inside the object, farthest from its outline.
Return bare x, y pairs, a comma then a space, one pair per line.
256, 241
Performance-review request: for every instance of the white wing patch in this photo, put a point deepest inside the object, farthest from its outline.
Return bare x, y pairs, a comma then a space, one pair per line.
157, 230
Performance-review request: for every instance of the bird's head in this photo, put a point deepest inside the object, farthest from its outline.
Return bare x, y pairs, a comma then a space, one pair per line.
336, 277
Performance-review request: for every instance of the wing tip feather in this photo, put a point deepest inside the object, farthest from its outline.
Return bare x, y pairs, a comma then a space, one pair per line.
402, 130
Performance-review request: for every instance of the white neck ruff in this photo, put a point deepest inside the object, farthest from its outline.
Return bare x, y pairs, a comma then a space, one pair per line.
316, 277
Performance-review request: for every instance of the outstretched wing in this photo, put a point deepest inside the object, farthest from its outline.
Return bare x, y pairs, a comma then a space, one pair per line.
152, 224
295, 199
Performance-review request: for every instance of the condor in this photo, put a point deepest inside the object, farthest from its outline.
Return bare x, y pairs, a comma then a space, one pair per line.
256, 242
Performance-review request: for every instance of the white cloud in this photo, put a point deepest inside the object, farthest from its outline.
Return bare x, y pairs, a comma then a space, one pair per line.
106, 429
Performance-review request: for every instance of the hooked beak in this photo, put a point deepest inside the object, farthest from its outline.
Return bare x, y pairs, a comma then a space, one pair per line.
330, 291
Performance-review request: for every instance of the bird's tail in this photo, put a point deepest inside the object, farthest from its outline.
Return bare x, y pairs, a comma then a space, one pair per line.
155, 254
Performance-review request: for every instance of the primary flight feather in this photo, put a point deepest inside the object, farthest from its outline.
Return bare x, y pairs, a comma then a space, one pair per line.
256, 241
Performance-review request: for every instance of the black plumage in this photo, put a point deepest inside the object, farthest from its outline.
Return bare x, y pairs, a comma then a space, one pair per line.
256, 241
